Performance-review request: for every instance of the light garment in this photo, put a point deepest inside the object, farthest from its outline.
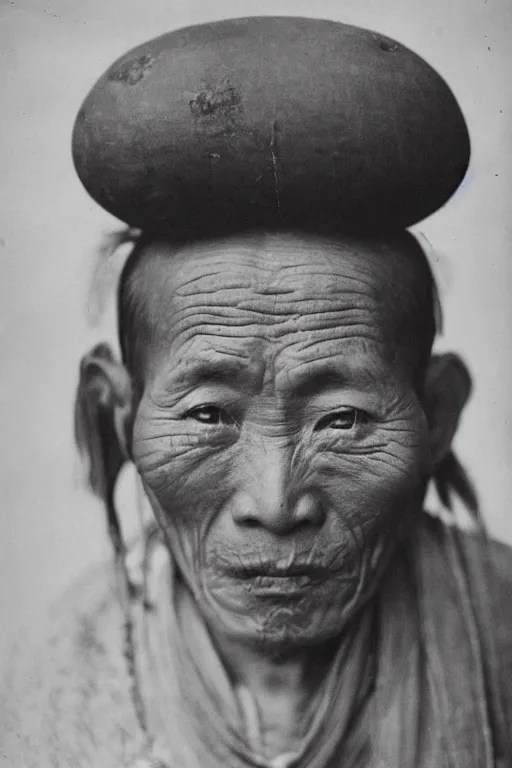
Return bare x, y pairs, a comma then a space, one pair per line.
69, 698
412, 685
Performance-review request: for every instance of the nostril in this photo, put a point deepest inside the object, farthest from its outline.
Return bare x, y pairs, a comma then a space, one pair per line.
245, 510
309, 510
250, 522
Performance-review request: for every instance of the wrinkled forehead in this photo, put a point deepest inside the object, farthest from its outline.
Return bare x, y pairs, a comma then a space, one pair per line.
271, 265
268, 290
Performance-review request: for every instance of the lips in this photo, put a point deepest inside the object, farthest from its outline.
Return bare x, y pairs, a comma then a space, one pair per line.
279, 585
236, 585
272, 571
266, 579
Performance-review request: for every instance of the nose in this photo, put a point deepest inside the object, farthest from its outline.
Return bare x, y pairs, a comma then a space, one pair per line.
268, 497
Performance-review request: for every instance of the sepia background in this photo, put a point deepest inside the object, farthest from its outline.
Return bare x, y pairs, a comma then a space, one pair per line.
51, 529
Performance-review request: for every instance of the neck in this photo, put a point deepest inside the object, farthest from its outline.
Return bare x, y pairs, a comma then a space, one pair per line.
277, 690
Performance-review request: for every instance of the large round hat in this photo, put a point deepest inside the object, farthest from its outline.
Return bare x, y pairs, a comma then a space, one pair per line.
270, 122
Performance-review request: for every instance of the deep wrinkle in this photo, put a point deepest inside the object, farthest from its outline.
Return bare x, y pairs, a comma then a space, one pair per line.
406, 283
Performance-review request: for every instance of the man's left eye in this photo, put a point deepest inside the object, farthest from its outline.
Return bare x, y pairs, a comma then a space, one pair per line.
210, 415
345, 418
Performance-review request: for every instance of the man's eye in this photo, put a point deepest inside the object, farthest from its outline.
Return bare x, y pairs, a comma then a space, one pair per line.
345, 418
209, 414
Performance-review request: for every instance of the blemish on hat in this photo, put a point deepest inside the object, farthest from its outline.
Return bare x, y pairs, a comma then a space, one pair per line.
132, 71
217, 99
388, 46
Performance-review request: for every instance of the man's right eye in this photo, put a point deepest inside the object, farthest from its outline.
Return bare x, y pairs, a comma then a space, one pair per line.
210, 415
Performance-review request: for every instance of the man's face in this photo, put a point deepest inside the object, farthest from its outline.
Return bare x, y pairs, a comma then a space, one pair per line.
278, 436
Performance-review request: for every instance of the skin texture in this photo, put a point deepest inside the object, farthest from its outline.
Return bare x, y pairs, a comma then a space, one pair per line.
278, 427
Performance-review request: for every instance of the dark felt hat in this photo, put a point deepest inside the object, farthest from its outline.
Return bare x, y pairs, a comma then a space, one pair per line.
270, 122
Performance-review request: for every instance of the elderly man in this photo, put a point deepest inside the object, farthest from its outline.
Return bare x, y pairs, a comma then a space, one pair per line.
294, 605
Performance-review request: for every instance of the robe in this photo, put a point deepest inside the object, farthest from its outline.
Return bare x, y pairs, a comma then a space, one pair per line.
110, 681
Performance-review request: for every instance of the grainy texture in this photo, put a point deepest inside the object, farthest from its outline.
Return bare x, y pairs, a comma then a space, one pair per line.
67, 701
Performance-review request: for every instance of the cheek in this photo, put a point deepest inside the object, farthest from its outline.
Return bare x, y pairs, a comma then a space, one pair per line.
378, 477
185, 483
185, 477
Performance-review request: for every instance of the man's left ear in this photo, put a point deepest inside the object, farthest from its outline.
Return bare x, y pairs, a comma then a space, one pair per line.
447, 390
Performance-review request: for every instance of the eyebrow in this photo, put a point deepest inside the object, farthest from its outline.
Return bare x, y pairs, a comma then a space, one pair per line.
238, 372
196, 371
329, 376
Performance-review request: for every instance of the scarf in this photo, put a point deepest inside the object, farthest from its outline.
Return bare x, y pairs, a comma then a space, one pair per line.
407, 686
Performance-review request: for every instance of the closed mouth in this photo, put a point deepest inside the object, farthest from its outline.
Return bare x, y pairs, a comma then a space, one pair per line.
270, 581
269, 585
262, 572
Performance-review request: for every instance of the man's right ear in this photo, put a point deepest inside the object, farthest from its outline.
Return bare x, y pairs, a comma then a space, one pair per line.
103, 417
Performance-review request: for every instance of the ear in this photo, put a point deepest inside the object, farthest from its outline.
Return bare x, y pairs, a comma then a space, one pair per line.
447, 390
103, 417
